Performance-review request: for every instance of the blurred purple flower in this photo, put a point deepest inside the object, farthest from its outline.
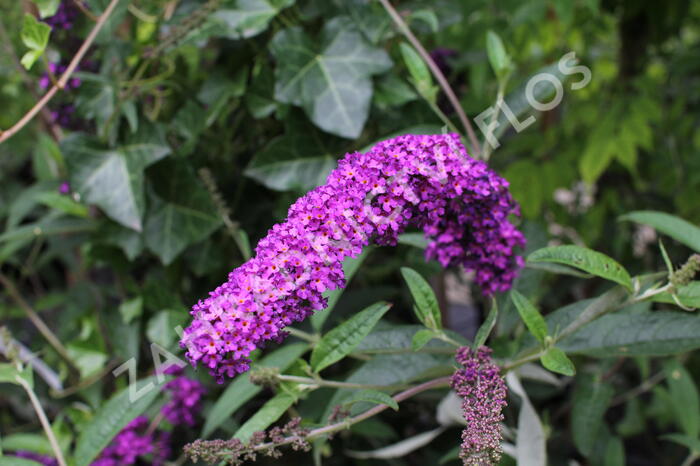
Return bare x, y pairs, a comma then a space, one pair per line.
30, 455
185, 398
132, 443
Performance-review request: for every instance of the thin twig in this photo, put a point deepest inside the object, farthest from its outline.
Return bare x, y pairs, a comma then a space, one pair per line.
406, 31
84, 9
335, 383
4, 135
329, 429
43, 419
36, 320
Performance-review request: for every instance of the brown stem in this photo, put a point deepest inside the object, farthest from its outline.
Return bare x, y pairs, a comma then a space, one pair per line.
4, 135
36, 320
406, 31
81, 6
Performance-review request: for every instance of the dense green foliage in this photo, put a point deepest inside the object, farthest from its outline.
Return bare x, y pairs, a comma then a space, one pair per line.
195, 126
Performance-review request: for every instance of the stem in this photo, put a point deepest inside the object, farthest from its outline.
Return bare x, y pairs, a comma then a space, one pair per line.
4, 135
406, 31
692, 456
295, 332
36, 320
86, 12
644, 387
329, 429
43, 419
335, 383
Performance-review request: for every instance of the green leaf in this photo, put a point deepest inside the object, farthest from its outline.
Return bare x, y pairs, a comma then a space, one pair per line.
591, 399
131, 309
270, 412
393, 339
372, 396
301, 159
530, 315
35, 36
340, 341
485, 329
660, 333
421, 338
247, 18
111, 418
9, 374
112, 178
37, 443
585, 259
181, 211
682, 231
329, 77
556, 360
350, 267
691, 443
614, 452
63, 203
422, 79
688, 295
426, 305
498, 57
9, 460
241, 390
47, 7
685, 398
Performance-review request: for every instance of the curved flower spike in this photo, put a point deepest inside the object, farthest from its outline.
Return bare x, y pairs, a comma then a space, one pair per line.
426, 181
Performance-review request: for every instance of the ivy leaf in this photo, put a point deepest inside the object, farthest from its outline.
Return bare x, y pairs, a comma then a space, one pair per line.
241, 389
372, 396
591, 399
340, 341
181, 211
331, 80
530, 315
585, 259
112, 178
557, 361
35, 36
111, 418
682, 231
301, 159
47, 7
426, 304
247, 18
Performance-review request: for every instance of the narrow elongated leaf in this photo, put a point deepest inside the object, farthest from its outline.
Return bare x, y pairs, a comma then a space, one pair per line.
556, 360
485, 330
530, 315
241, 389
421, 338
9, 460
270, 412
340, 341
331, 80
691, 443
675, 227
427, 308
372, 396
591, 400
685, 398
658, 333
585, 259
688, 295
350, 267
112, 417
399, 449
498, 57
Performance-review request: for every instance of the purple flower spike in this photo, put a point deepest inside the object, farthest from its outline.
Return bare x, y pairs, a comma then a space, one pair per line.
132, 443
424, 181
483, 394
185, 400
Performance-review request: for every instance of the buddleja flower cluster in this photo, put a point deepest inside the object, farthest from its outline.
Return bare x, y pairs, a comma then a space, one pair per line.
483, 392
65, 16
425, 181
